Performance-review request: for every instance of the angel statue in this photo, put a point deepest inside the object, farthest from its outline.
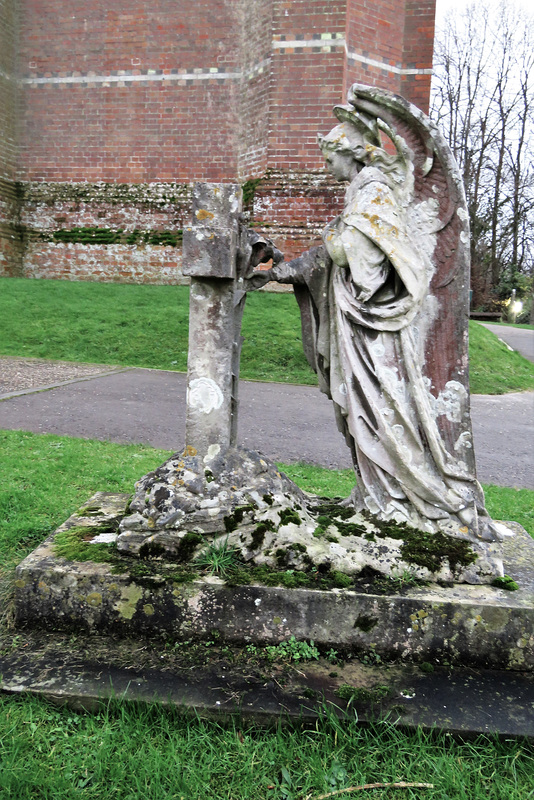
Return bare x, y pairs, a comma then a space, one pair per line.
384, 316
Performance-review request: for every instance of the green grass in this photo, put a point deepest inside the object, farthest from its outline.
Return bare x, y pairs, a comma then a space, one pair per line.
138, 753
493, 368
147, 326
141, 326
524, 325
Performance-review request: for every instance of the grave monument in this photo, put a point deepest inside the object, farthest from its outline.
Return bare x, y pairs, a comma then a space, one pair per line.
384, 318
383, 305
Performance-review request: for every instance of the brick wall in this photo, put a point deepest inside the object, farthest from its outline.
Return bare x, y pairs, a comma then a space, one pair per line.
105, 232
418, 51
10, 254
140, 93
124, 104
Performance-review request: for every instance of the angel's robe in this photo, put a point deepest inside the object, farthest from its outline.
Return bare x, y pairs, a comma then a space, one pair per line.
361, 297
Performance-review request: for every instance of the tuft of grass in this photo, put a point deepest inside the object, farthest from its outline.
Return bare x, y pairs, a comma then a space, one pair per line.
147, 326
219, 558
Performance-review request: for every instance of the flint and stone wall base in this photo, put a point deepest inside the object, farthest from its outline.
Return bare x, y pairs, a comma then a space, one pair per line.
132, 233
477, 626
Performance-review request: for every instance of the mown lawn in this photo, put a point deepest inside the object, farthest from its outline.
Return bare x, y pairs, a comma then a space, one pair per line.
136, 753
147, 326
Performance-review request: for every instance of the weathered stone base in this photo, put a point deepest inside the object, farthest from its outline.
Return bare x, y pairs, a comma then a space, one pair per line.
481, 626
239, 499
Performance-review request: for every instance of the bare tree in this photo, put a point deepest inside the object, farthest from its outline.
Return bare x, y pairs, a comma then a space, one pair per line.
483, 99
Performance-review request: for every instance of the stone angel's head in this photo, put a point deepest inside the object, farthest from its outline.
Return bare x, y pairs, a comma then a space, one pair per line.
354, 144
344, 150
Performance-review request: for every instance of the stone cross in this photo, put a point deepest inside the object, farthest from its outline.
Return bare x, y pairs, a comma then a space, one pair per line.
210, 257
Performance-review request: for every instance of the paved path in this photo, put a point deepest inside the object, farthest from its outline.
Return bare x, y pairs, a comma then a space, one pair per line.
286, 423
520, 339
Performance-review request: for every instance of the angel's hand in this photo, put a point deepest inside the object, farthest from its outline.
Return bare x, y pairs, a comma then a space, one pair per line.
258, 279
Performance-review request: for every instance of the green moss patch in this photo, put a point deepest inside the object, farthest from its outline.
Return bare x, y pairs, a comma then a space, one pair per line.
429, 550
153, 574
360, 694
90, 236
249, 190
288, 515
231, 521
292, 579
74, 544
258, 535
506, 582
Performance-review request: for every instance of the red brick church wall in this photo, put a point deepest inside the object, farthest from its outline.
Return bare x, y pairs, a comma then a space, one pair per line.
10, 240
115, 108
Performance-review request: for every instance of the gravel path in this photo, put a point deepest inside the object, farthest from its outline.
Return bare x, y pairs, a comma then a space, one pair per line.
18, 375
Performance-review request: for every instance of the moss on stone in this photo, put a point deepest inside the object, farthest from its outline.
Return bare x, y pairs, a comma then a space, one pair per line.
430, 550
340, 580
365, 623
152, 575
151, 550
245, 574
506, 582
258, 535
184, 550
89, 511
231, 521
74, 544
95, 235
426, 667
360, 694
350, 528
249, 190
288, 515
149, 195
187, 546
333, 511
282, 556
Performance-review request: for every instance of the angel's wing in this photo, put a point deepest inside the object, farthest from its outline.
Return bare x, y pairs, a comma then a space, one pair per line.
435, 171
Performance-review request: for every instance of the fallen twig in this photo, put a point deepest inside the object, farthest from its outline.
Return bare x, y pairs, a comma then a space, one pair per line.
401, 785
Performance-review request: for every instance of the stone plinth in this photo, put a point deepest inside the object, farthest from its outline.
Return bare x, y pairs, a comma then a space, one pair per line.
479, 626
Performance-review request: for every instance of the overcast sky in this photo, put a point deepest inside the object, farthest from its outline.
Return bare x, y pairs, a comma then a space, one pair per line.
442, 6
